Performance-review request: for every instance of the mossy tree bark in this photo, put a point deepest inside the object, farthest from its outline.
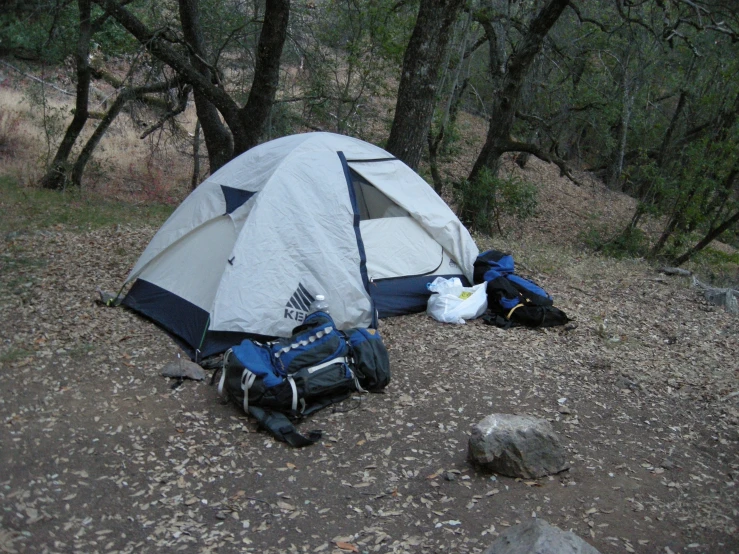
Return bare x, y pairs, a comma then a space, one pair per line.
56, 175
218, 140
509, 81
419, 79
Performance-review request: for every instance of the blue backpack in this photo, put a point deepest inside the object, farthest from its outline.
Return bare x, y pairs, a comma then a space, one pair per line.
512, 299
294, 377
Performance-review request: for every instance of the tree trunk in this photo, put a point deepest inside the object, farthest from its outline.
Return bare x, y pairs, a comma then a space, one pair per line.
667, 139
617, 164
159, 47
712, 235
434, 142
678, 216
246, 124
419, 79
218, 140
124, 96
255, 114
437, 140
716, 207
195, 181
56, 176
511, 82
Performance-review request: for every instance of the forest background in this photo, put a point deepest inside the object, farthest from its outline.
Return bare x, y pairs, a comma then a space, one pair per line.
643, 95
555, 126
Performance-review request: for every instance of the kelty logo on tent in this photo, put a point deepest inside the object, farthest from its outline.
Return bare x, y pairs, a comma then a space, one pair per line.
299, 304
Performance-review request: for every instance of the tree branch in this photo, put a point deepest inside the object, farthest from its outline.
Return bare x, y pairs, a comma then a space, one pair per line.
160, 49
514, 146
178, 109
32, 77
582, 19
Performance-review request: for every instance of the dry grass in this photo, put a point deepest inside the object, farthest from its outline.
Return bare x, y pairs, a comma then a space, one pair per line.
19, 137
124, 166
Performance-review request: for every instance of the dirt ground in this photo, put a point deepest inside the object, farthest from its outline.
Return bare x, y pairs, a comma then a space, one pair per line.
99, 454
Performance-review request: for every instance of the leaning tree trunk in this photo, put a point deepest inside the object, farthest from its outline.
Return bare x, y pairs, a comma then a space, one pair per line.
218, 140
56, 176
508, 93
419, 79
712, 235
676, 219
124, 96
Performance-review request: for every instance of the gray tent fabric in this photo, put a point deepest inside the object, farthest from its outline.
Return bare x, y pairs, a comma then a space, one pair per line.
308, 214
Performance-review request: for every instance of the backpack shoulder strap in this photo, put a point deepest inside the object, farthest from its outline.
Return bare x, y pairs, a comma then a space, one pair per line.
498, 320
281, 428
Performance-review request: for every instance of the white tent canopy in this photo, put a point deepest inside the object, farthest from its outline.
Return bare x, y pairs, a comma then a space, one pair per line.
308, 214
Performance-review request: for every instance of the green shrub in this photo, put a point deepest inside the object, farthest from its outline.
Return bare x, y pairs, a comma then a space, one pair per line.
630, 243
484, 201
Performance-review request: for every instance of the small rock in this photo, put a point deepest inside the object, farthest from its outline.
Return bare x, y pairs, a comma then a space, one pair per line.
623, 382
517, 446
449, 476
564, 409
183, 369
536, 536
107, 298
667, 464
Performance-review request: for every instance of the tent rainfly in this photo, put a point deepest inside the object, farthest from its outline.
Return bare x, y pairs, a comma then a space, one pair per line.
317, 213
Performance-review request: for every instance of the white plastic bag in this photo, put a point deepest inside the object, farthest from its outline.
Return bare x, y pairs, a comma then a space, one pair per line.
453, 303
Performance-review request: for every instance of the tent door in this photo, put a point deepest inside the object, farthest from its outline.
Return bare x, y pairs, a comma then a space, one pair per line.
399, 247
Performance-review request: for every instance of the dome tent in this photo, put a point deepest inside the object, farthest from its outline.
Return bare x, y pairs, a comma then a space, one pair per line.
316, 213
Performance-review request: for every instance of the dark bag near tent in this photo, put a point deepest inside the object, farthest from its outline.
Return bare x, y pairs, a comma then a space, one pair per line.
370, 359
512, 299
297, 376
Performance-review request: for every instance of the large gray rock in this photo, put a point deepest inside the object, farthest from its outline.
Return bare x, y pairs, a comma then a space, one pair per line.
536, 536
517, 446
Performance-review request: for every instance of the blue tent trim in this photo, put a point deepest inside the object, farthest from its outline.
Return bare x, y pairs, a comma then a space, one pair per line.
403, 295
235, 197
175, 314
357, 233
185, 322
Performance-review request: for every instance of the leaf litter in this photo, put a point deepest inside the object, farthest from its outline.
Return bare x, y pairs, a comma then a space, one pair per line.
100, 454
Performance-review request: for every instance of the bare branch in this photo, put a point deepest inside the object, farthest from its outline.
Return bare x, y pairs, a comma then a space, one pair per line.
178, 109
514, 146
588, 19
34, 78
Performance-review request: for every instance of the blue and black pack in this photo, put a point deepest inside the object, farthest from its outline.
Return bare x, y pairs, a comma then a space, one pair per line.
290, 378
370, 358
512, 299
